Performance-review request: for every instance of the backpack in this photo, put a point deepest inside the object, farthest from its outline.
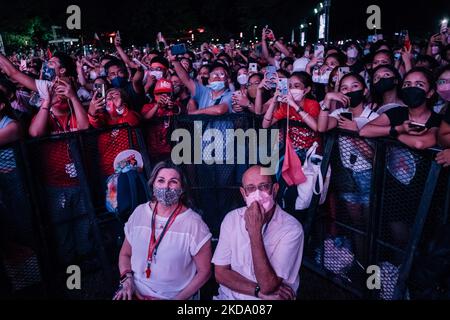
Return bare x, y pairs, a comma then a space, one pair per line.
127, 187
313, 174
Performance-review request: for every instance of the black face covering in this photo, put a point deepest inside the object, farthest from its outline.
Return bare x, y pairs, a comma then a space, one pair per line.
384, 85
414, 97
205, 81
356, 97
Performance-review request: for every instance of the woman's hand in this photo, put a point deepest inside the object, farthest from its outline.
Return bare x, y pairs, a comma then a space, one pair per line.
411, 131
96, 105
347, 124
338, 97
65, 89
240, 100
443, 158
264, 85
126, 290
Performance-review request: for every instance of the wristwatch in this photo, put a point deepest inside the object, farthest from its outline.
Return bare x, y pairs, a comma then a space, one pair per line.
257, 289
393, 132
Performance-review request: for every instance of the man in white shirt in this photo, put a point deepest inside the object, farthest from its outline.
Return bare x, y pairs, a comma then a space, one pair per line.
260, 246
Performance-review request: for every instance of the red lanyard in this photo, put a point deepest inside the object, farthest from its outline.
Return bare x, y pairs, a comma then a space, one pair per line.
154, 243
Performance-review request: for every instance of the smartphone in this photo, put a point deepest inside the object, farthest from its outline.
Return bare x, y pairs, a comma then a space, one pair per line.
283, 87
271, 75
342, 71
100, 88
319, 51
347, 115
178, 49
135, 60
415, 126
253, 67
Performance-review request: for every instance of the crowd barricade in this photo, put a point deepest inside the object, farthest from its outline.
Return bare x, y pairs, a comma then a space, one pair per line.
382, 206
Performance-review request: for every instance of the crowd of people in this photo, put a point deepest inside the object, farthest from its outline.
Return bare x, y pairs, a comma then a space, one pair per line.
380, 89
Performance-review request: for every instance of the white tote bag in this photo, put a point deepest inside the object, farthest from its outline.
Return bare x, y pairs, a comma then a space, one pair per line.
314, 183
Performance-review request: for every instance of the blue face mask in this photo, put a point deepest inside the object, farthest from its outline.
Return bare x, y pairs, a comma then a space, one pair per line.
48, 73
103, 73
366, 52
217, 85
119, 82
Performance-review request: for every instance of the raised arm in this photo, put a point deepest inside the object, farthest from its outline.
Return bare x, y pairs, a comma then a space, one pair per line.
16, 75
182, 73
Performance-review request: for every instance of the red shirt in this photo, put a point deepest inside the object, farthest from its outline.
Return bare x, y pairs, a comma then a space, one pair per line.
157, 133
57, 166
301, 135
110, 144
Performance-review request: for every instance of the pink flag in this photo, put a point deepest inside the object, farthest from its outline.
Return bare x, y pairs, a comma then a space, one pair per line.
292, 171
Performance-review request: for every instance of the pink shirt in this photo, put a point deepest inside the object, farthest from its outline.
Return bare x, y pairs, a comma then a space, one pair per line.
283, 241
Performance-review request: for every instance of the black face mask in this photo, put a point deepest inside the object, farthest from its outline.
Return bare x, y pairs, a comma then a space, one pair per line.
205, 81
414, 97
384, 85
356, 97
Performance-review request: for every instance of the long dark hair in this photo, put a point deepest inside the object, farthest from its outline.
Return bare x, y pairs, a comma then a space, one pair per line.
186, 198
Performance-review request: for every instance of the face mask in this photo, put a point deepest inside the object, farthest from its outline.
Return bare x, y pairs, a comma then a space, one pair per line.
242, 79
266, 200
167, 196
103, 73
93, 75
216, 85
414, 97
119, 82
444, 91
297, 94
157, 74
384, 85
352, 53
356, 97
48, 73
434, 50
397, 56
366, 52
306, 53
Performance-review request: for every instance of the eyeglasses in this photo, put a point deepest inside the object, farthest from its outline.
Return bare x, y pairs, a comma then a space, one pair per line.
253, 84
266, 187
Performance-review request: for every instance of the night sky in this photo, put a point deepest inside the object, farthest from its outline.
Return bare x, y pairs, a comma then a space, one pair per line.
140, 20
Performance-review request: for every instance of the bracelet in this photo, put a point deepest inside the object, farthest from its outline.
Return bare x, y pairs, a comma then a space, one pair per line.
124, 275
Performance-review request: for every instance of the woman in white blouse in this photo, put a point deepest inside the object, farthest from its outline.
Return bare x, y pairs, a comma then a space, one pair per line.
167, 249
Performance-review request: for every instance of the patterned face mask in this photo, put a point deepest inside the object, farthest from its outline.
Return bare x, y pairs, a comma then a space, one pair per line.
167, 196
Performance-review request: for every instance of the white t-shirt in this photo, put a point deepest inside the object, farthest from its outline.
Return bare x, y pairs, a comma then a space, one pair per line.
351, 156
283, 241
173, 268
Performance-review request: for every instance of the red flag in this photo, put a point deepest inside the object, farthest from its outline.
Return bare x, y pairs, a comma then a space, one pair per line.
49, 53
292, 171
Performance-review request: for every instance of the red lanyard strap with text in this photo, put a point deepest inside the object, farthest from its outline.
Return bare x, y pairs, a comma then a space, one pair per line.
154, 243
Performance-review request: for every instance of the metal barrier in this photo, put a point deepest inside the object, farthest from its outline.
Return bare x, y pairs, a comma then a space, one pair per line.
362, 223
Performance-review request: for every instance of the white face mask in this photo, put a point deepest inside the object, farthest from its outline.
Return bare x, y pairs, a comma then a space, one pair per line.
157, 74
266, 200
307, 53
297, 94
352, 53
93, 75
242, 79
